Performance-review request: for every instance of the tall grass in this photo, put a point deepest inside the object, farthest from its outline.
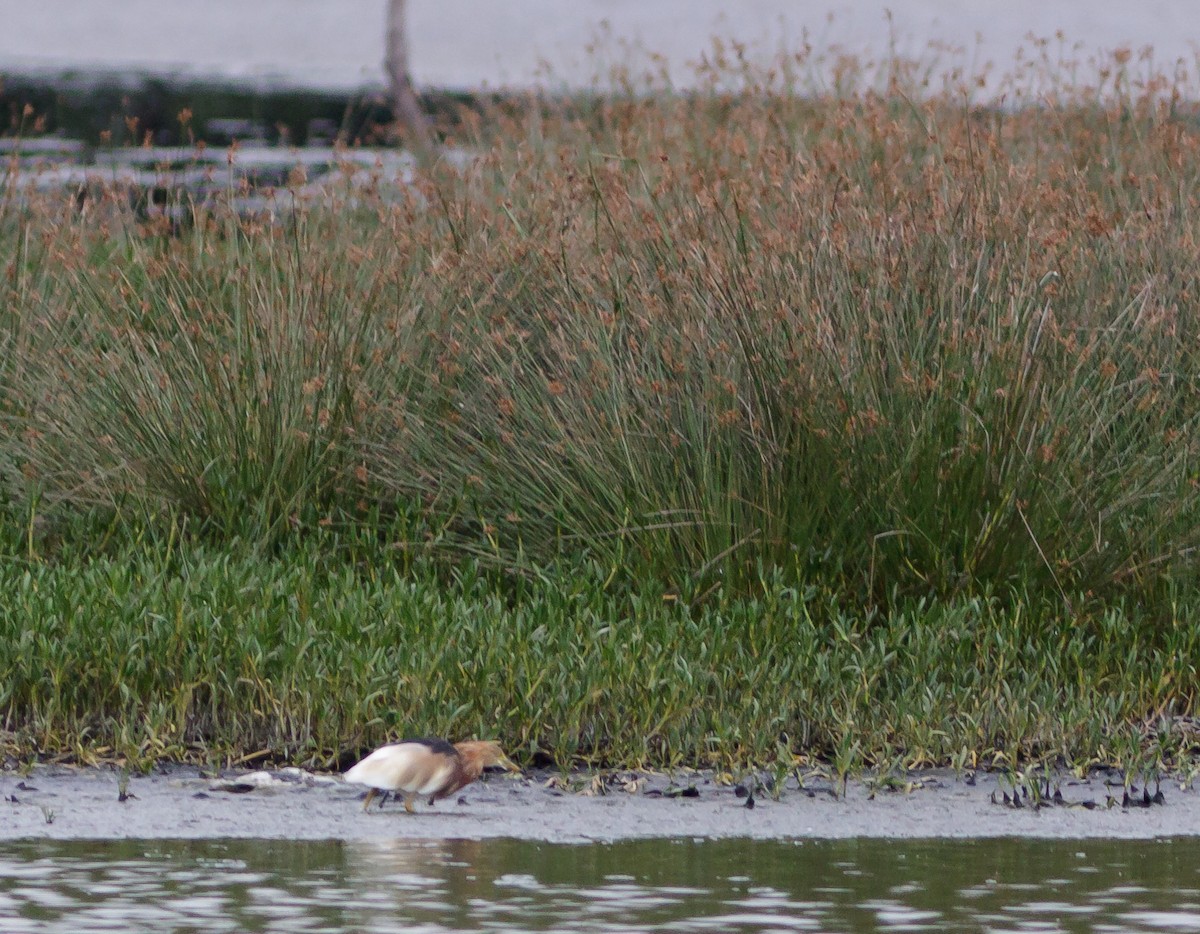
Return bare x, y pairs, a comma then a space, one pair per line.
869, 340
215, 377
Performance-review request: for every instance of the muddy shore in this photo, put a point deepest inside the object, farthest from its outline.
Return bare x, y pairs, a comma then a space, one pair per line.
56, 802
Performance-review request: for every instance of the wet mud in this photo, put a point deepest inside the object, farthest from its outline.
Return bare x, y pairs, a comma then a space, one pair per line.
180, 802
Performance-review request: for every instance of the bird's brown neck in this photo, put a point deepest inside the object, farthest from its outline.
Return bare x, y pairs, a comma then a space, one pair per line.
467, 768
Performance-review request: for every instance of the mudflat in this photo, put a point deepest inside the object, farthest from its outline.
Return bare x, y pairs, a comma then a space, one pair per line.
179, 802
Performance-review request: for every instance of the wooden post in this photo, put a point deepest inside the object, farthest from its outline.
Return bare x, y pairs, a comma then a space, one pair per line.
406, 109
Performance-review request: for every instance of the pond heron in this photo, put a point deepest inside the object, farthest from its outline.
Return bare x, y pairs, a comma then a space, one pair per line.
416, 768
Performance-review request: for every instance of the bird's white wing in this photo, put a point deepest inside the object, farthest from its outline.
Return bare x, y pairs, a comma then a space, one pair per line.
406, 767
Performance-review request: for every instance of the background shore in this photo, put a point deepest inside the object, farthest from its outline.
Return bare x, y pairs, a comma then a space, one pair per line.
468, 44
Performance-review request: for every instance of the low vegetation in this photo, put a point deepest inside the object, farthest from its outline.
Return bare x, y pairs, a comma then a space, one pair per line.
218, 655
667, 428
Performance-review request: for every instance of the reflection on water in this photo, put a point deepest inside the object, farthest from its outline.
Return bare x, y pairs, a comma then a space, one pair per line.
500, 885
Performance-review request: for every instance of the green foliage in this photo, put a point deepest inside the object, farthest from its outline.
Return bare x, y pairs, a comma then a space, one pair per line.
209, 654
664, 428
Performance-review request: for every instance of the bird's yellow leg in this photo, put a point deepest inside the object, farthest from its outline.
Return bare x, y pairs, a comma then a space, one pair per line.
371, 792
408, 804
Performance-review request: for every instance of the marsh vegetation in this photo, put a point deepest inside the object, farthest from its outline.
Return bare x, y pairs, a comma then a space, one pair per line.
755, 422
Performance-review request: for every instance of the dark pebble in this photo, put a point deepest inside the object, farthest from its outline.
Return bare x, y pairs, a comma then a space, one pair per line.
237, 788
749, 803
21, 786
741, 791
201, 794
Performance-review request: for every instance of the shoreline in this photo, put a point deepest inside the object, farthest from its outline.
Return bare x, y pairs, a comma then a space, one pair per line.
181, 802
460, 44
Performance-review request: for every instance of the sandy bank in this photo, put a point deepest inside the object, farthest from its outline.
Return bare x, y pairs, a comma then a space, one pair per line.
180, 802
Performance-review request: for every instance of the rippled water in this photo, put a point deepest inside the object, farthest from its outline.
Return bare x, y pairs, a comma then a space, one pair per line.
727, 886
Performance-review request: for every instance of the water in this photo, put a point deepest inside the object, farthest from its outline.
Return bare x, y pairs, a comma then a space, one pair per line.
676, 886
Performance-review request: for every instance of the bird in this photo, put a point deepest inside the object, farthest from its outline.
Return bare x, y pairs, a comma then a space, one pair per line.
429, 766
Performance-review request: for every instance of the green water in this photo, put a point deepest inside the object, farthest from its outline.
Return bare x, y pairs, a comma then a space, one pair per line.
725, 886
